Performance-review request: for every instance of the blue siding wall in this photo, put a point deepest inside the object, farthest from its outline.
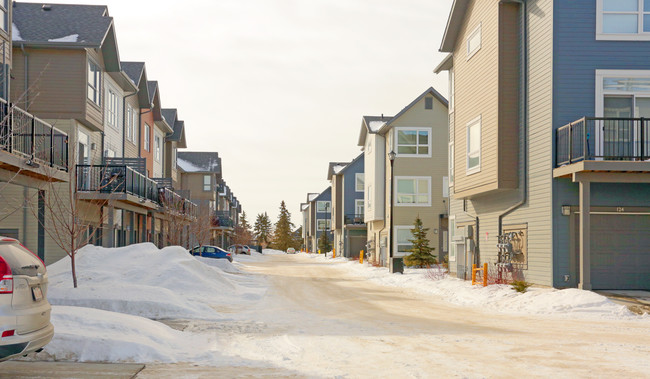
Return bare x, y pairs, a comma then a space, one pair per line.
349, 185
576, 57
324, 196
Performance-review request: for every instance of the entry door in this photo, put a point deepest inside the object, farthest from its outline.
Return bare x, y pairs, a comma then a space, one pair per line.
460, 260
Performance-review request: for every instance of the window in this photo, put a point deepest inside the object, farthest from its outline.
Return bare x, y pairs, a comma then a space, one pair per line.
174, 158
129, 123
413, 142
94, 82
207, 183
147, 137
359, 183
474, 42
451, 91
413, 191
3, 14
358, 208
369, 197
112, 109
156, 153
474, 146
623, 20
403, 244
428, 103
450, 162
323, 206
324, 224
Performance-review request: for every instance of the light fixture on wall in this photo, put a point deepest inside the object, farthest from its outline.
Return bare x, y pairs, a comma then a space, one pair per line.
566, 210
93, 146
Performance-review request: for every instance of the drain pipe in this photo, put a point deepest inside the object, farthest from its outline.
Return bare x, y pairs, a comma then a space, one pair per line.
524, 99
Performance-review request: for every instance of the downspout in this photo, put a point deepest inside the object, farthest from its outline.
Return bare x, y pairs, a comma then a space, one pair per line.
524, 99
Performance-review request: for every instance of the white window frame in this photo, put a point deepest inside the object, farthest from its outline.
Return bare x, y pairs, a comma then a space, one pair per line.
129, 123
327, 207
396, 241
451, 163
157, 153
174, 158
356, 181
369, 198
147, 137
451, 244
356, 207
452, 93
417, 179
4, 5
395, 142
477, 168
601, 93
328, 224
94, 83
112, 108
476, 32
640, 35
207, 184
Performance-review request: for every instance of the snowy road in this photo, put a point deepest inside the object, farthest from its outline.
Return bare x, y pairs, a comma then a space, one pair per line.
317, 320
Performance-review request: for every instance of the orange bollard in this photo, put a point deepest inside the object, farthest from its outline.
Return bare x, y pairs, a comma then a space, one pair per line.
361, 257
473, 274
485, 266
333, 253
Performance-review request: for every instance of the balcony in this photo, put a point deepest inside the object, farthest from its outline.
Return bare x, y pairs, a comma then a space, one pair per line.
32, 143
117, 182
597, 144
222, 220
176, 205
354, 219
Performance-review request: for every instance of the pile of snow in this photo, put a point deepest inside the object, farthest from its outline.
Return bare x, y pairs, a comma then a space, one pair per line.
145, 281
499, 298
222, 264
92, 335
70, 38
272, 252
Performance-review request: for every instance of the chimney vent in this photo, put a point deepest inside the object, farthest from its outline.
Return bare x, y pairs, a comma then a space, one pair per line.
47, 7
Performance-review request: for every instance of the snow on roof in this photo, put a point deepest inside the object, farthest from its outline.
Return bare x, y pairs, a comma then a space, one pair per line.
187, 166
15, 33
338, 168
313, 196
70, 38
304, 207
376, 125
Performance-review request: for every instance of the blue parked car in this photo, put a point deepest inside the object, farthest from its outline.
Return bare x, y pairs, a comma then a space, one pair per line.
208, 251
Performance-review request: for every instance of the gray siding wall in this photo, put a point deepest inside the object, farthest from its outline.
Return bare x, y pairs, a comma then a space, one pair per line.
577, 55
349, 186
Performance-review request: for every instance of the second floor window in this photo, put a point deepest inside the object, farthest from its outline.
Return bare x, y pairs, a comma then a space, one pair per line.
323, 206
474, 42
147, 137
359, 184
129, 123
413, 191
451, 164
94, 82
324, 225
174, 158
413, 142
3, 14
207, 183
112, 109
624, 16
474, 146
156, 143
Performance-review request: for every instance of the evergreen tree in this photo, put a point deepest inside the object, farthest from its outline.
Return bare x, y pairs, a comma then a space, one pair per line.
244, 222
262, 229
283, 235
420, 252
242, 233
324, 244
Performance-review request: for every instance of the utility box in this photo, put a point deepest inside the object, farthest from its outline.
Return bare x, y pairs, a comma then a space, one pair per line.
396, 265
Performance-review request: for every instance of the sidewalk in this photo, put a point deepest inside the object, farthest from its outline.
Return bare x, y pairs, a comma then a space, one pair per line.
16, 369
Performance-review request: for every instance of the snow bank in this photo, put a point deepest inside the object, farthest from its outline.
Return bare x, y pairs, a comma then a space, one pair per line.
144, 281
272, 252
570, 303
92, 335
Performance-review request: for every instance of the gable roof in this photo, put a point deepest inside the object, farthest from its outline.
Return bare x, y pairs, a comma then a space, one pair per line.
371, 124
196, 161
66, 26
137, 72
312, 196
430, 91
152, 86
454, 23
170, 115
335, 168
351, 163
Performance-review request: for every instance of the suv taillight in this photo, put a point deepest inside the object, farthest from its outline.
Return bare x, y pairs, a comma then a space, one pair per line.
6, 279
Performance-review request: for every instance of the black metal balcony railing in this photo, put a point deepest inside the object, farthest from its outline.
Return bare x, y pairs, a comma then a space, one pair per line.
222, 219
352, 219
620, 139
176, 204
115, 179
23, 134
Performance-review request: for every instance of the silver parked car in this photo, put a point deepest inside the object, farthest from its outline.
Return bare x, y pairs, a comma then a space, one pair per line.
24, 310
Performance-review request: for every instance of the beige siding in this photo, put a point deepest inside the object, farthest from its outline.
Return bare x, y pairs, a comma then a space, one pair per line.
194, 183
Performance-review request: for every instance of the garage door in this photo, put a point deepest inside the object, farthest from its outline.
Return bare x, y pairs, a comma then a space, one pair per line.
620, 251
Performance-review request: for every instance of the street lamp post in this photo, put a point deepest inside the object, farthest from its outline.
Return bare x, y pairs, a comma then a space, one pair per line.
391, 158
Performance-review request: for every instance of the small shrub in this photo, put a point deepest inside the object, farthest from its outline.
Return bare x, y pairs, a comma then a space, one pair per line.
520, 286
437, 272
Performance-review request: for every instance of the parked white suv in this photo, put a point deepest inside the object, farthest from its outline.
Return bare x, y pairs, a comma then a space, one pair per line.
24, 310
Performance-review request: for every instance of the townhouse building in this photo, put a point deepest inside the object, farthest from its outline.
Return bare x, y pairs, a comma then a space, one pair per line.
412, 184
548, 140
321, 216
348, 226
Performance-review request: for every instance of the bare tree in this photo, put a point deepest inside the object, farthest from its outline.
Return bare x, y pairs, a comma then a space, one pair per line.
201, 231
180, 212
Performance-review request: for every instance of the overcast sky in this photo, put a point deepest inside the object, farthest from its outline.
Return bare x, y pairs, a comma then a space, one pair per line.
278, 87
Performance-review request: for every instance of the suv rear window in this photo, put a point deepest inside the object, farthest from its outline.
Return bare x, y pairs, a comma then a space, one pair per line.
21, 260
